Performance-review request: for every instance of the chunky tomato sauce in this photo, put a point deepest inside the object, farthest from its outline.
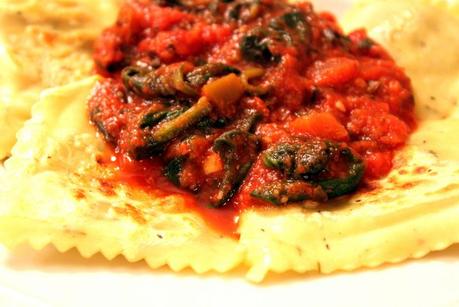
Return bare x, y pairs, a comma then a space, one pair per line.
247, 103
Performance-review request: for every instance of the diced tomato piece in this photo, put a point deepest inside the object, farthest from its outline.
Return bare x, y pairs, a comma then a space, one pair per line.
334, 71
271, 133
212, 163
322, 125
378, 164
383, 128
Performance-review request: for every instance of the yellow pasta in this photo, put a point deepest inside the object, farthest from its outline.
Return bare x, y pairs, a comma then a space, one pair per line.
43, 44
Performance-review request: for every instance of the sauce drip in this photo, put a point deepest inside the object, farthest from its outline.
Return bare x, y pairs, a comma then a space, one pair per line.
147, 176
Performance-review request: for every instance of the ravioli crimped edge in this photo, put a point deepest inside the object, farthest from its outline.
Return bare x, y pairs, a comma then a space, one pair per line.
54, 163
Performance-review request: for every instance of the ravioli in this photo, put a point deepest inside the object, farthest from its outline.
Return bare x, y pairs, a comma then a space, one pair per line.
54, 191
43, 45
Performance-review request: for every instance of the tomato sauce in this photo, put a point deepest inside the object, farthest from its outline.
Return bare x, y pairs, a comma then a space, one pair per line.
147, 175
246, 103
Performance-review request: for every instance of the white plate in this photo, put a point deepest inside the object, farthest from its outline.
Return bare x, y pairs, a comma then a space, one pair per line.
48, 278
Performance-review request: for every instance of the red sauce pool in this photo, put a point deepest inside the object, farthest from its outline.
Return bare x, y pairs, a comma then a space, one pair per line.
147, 176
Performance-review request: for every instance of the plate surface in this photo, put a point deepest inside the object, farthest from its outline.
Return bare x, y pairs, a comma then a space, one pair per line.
48, 278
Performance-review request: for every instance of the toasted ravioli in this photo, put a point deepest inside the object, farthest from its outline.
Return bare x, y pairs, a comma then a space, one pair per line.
43, 44
54, 191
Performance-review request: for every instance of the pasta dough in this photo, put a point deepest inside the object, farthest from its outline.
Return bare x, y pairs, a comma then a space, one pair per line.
43, 44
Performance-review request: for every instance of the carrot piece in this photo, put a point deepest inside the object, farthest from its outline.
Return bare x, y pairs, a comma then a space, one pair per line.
212, 164
321, 125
